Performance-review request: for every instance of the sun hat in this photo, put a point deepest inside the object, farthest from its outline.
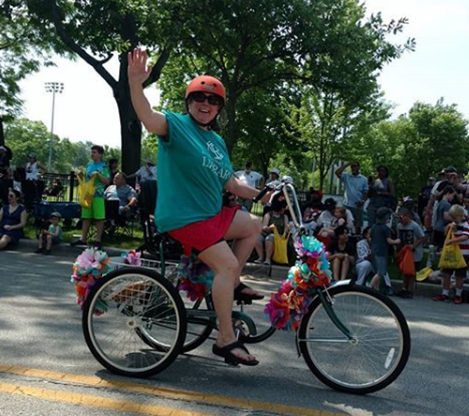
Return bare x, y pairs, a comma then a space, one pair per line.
56, 214
275, 170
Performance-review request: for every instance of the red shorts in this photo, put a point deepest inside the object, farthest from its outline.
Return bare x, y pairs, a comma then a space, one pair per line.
201, 235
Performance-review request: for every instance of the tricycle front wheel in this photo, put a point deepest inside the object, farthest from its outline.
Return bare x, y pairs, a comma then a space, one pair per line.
376, 354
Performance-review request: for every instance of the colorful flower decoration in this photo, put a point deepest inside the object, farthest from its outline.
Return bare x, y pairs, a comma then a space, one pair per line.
195, 277
132, 257
290, 303
89, 266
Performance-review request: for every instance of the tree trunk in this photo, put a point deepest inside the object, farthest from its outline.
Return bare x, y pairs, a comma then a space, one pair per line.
131, 137
2, 133
231, 127
131, 127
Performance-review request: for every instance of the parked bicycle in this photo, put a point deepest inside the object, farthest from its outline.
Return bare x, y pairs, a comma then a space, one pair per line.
135, 323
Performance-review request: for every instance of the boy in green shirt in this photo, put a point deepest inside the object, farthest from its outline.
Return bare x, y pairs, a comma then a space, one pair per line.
98, 171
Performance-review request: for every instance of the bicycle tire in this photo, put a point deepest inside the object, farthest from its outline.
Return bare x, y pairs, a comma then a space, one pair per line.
360, 367
196, 337
132, 302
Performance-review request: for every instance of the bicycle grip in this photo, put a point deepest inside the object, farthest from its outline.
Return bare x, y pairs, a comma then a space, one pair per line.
262, 193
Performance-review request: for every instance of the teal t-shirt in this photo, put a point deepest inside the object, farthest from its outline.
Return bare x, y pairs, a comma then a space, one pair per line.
102, 168
193, 168
53, 229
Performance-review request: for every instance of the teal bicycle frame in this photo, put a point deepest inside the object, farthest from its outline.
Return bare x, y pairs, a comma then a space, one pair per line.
322, 293
208, 316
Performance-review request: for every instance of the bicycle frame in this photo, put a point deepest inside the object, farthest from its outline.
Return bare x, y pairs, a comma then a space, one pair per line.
208, 316
322, 293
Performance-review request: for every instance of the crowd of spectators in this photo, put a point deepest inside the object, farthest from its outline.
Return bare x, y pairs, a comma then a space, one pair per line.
354, 251
390, 226
26, 185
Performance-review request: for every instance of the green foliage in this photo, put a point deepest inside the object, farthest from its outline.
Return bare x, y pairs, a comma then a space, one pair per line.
319, 59
24, 136
23, 48
150, 148
415, 146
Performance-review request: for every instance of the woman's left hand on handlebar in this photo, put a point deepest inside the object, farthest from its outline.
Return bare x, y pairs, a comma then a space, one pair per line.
267, 196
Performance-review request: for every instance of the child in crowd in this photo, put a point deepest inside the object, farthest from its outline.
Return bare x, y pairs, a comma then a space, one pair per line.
364, 264
341, 254
410, 234
461, 235
52, 235
96, 171
380, 241
442, 217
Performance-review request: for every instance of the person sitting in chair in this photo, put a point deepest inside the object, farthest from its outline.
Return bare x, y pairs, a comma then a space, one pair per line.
341, 254
123, 193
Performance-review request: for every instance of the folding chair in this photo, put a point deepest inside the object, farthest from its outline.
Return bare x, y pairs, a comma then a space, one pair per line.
117, 224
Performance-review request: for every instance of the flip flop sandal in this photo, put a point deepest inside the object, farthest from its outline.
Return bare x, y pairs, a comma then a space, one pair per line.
230, 358
245, 297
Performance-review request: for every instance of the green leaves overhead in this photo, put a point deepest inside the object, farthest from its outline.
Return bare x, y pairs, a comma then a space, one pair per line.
415, 146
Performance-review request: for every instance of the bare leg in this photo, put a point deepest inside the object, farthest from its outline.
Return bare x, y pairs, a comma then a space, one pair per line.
222, 261
99, 230
446, 280
41, 240
374, 284
4, 241
245, 230
336, 265
85, 228
269, 249
409, 283
259, 250
49, 242
345, 268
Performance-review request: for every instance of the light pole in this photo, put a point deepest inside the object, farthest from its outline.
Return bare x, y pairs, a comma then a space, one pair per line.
53, 87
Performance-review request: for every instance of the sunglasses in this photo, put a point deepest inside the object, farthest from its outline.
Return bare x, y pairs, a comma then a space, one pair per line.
11, 195
200, 97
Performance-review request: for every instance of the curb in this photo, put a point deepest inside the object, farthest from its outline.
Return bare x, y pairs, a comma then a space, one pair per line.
279, 273
61, 249
255, 271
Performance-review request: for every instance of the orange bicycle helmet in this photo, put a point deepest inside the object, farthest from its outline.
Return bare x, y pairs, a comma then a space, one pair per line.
208, 84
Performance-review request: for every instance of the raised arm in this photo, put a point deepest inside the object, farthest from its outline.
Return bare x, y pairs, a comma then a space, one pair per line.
340, 170
138, 72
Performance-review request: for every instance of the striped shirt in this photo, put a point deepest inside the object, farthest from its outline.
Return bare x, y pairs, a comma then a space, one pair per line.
462, 228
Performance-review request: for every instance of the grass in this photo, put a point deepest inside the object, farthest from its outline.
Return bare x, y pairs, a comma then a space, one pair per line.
69, 233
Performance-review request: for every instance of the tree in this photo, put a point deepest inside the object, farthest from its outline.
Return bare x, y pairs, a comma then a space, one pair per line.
248, 44
339, 98
262, 46
416, 146
23, 47
95, 31
25, 136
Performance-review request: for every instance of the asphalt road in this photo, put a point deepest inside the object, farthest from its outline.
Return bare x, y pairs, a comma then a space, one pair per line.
46, 368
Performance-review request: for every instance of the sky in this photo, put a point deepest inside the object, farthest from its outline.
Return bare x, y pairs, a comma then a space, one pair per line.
439, 67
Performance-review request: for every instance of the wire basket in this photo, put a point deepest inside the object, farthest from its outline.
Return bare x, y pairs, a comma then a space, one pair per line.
170, 272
